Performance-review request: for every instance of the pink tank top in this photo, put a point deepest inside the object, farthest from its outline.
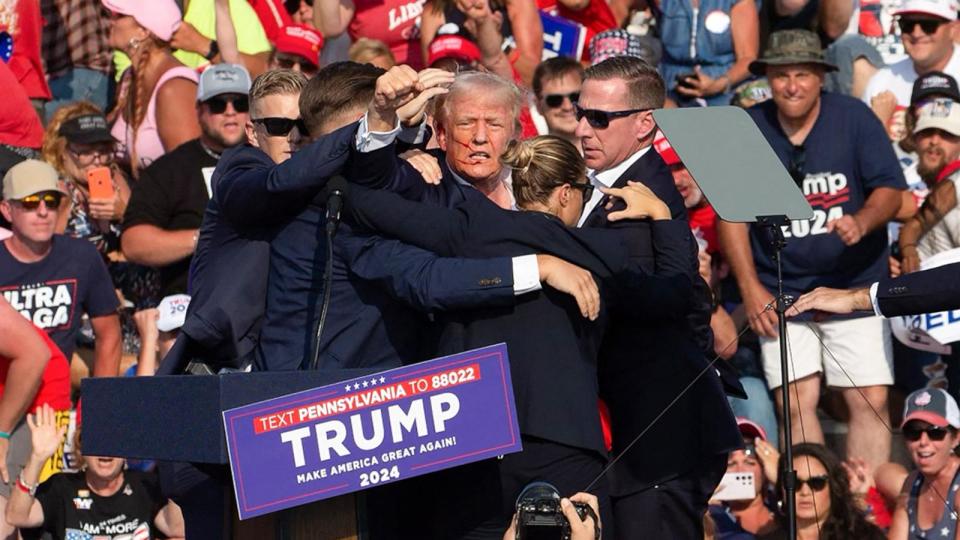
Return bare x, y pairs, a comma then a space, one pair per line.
149, 146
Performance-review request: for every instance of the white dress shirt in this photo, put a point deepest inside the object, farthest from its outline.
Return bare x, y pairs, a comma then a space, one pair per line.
606, 179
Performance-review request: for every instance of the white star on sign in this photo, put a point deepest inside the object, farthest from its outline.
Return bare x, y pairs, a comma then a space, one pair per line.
356, 386
347, 388
382, 380
365, 384
373, 382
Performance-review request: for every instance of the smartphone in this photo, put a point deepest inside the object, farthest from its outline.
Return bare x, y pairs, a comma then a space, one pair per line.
736, 486
684, 79
100, 182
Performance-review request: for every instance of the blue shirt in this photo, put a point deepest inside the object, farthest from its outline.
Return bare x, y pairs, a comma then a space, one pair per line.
844, 158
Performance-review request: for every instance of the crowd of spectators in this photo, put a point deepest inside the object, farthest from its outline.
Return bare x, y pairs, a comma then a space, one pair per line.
117, 113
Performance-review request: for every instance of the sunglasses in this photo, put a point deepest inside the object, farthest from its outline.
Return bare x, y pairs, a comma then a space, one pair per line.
928, 26
816, 483
86, 156
556, 100
50, 198
286, 61
601, 119
280, 127
798, 164
934, 433
587, 189
218, 104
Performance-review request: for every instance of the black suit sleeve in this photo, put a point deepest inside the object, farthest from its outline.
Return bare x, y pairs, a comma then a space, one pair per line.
928, 291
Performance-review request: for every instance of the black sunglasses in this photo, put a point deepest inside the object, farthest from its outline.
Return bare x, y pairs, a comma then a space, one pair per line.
913, 433
587, 189
280, 127
556, 100
287, 61
816, 483
601, 119
928, 26
218, 104
798, 164
50, 198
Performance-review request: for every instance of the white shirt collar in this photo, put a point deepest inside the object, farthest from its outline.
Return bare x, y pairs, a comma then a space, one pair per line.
606, 179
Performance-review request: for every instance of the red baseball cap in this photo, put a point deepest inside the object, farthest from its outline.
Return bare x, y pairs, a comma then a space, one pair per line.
452, 46
662, 146
300, 40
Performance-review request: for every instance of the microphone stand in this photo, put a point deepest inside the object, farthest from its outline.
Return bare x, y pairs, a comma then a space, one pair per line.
334, 205
774, 227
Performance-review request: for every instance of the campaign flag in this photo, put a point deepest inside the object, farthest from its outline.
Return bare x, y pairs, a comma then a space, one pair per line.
562, 37
372, 430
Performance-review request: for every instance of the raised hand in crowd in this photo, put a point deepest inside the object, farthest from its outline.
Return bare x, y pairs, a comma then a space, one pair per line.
884, 105
45, 434
109, 209
425, 164
187, 38
910, 259
573, 280
769, 457
642, 203
431, 83
860, 476
580, 529
700, 84
146, 321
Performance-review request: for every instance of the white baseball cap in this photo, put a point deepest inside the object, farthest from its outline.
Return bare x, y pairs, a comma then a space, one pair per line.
945, 9
940, 114
173, 311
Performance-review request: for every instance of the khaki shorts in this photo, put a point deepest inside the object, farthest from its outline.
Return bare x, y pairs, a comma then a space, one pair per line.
861, 346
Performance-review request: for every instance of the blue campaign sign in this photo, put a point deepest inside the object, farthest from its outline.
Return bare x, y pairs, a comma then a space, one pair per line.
358, 433
562, 37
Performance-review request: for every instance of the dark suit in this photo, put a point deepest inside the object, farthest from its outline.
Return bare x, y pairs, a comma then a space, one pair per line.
928, 291
661, 485
553, 348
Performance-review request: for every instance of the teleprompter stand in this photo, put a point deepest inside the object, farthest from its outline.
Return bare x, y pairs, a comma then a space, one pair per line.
745, 182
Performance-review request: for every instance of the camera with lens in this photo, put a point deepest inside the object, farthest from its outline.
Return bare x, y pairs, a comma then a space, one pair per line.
540, 517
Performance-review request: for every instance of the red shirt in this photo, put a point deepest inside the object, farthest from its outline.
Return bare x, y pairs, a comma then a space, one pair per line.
393, 22
596, 17
54, 383
19, 123
22, 21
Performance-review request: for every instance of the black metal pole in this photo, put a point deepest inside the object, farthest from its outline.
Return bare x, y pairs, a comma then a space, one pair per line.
788, 474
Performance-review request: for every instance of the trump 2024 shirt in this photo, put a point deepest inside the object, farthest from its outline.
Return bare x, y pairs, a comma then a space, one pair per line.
844, 158
55, 292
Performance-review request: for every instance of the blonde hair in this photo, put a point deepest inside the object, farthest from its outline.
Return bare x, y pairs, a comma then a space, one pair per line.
54, 144
364, 50
540, 165
136, 100
276, 81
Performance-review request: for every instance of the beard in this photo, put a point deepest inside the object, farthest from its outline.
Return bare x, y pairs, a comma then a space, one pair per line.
932, 160
220, 139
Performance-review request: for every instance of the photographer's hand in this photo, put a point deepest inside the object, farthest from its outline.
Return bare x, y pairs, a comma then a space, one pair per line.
583, 529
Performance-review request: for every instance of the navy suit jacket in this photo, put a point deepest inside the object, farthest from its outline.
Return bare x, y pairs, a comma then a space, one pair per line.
229, 269
644, 366
553, 349
381, 289
927, 291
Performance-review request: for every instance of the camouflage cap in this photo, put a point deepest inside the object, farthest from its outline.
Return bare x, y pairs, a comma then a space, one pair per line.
791, 47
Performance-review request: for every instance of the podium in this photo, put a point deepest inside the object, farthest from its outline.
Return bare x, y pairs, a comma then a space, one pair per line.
179, 418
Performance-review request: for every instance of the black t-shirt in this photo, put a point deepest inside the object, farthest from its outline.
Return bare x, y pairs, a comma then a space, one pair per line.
72, 510
55, 292
172, 194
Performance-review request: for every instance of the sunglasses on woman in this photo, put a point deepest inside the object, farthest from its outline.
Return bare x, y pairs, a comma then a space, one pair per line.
601, 119
816, 483
934, 433
280, 127
50, 198
928, 26
218, 104
555, 101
